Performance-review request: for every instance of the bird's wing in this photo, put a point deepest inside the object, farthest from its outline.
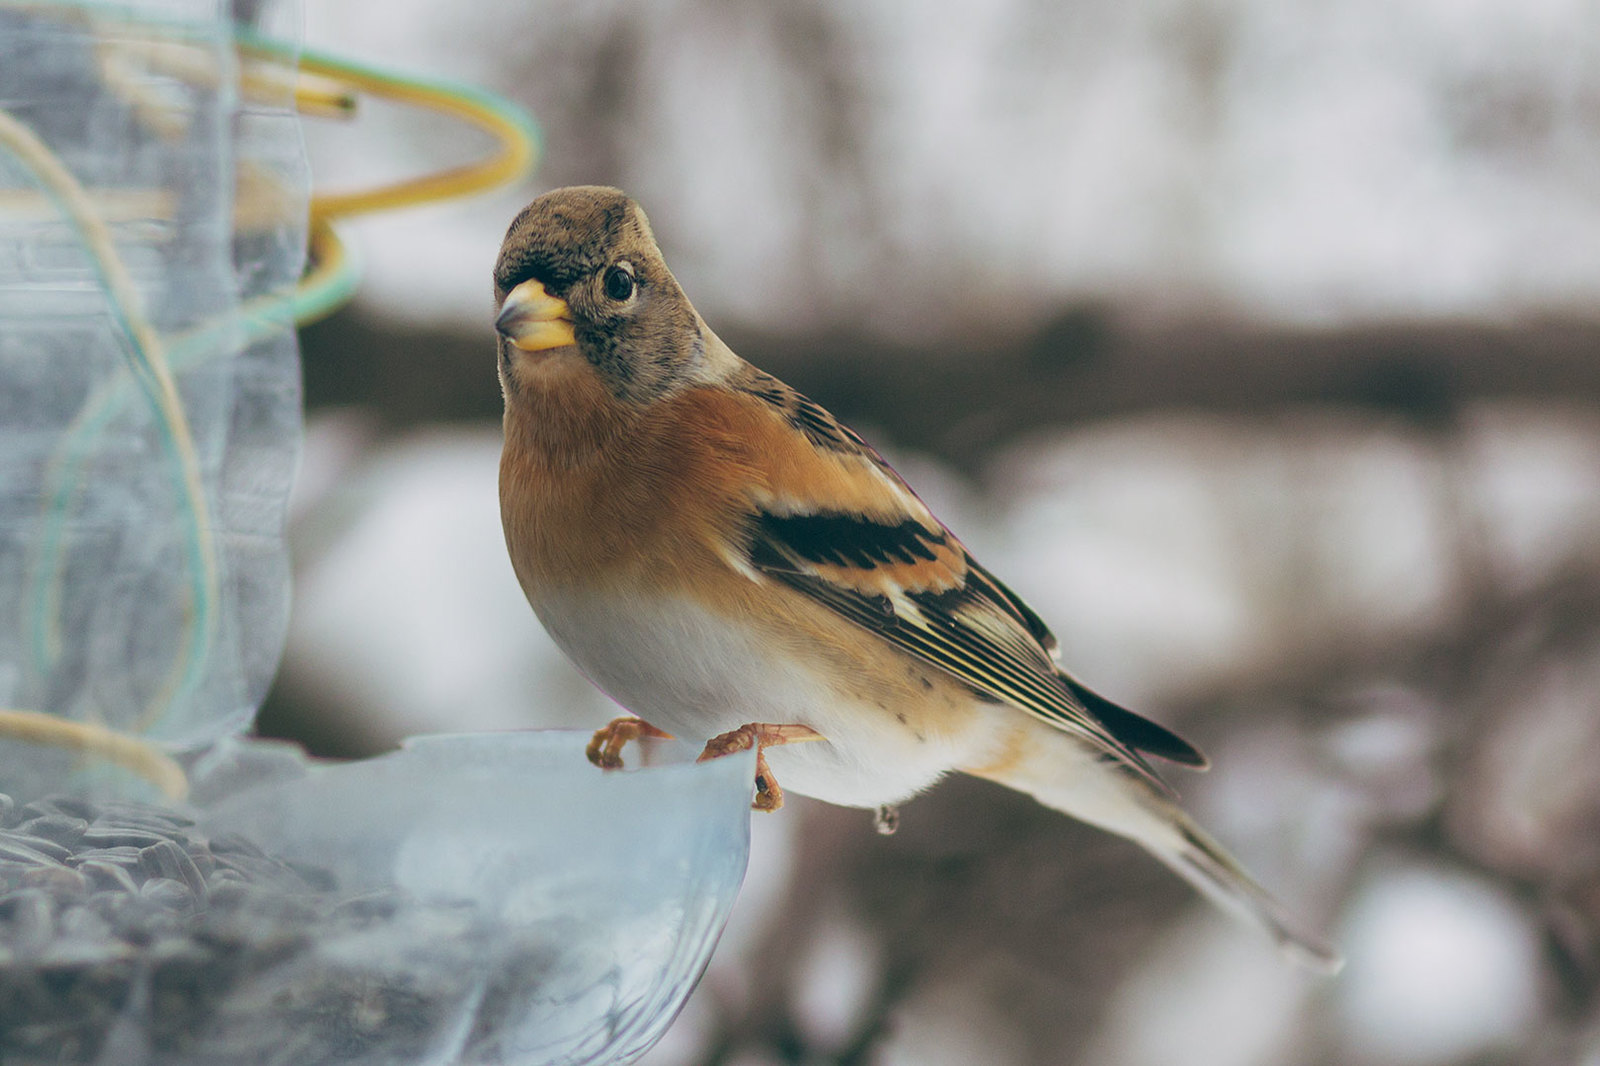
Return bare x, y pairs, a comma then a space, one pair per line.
843, 528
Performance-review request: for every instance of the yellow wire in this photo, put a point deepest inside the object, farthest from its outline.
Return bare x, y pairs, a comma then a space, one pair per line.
326, 285
514, 157
147, 362
131, 753
331, 280
516, 138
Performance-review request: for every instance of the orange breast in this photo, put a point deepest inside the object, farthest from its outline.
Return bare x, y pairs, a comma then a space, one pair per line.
605, 500
594, 491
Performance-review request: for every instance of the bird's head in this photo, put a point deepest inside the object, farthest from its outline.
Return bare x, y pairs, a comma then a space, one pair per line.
580, 288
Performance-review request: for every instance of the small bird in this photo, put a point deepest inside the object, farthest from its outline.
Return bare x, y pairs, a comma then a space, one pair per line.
733, 565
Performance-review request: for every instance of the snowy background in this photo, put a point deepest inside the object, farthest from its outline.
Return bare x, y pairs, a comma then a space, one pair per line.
1254, 343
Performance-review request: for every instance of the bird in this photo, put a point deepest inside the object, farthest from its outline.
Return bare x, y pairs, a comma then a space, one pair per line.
732, 564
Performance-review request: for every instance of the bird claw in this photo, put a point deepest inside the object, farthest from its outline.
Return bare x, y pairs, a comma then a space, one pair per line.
759, 735
605, 747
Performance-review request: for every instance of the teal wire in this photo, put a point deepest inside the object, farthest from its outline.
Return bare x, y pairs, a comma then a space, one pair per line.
137, 363
489, 101
255, 321
246, 327
308, 303
258, 320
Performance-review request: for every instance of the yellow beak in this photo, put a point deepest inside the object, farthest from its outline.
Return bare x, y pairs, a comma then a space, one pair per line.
533, 320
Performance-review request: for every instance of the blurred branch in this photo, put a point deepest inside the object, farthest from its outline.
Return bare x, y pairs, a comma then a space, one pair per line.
971, 395
965, 396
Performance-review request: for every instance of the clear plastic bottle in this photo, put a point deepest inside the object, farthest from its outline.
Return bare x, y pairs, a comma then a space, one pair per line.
149, 383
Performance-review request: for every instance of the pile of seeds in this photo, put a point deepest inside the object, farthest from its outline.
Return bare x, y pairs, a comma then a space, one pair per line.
129, 936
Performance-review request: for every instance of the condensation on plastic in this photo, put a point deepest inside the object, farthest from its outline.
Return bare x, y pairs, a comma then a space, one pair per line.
488, 900
128, 598
540, 912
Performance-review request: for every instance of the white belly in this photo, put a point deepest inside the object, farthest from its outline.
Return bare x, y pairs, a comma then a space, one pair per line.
689, 672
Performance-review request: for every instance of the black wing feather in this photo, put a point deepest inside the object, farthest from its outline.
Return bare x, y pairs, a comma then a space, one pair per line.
1137, 731
980, 632
846, 539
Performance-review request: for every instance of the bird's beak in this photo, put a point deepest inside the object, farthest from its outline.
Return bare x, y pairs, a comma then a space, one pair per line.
533, 320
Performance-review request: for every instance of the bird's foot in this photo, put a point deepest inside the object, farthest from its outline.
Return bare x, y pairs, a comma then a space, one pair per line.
605, 749
759, 735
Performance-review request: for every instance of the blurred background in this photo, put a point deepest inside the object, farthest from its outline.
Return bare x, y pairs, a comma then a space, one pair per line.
1253, 342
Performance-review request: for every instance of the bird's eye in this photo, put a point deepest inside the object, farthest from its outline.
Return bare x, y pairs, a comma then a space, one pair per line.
619, 282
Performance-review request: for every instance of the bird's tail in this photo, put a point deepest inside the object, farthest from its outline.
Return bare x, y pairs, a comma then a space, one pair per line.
1062, 774
1192, 854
